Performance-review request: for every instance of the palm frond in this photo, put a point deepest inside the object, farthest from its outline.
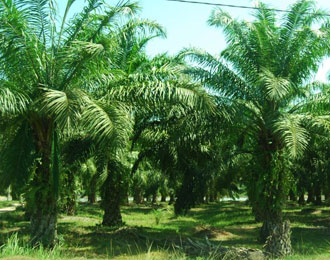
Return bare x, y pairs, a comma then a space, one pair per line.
295, 35
216, 75
265, 15
37, 13
78, 21
107, 123
155, 92
315, 101
276, 88
67, 9
63, 106
294, 135
77, 148
17, 156
123, 8
12, 100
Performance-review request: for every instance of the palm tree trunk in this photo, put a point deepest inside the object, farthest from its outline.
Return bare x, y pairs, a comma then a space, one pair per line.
185, 198
318, 193
138, 196
163, 194
212, 197
172, 198
268, 224
44, 225
92, 197
207, 197
69, 194
269, 202
292, 196
125, 195
327, 191
44, 201
154, 198
213, 193
311, 196
92, 190
278, 243
111, 201
301, 200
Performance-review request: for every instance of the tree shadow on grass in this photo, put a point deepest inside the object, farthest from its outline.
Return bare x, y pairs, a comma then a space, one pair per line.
109, 242
231, 216
142, 208
307, 240
309, 219
11, 223
136, 210
88, 209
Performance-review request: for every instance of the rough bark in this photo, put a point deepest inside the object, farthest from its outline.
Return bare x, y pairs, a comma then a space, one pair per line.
266, 230
44, 200
44, 227
111, 201
271, 197
278, 244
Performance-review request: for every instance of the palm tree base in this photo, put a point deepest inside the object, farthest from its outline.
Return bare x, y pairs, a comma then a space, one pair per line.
278, 243
44, 229
111, 201
112, 220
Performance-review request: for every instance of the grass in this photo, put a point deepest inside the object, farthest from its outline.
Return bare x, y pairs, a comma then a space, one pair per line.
151, 232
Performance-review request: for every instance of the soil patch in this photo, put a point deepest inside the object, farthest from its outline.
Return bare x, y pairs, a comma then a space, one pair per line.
213, 233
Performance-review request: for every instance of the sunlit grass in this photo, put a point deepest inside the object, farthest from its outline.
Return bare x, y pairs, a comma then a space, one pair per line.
225, 224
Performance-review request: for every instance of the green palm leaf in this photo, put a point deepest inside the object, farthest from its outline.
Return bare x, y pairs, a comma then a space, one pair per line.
294, 135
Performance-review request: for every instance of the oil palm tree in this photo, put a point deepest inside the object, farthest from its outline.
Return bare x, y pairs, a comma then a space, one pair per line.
132, 84
265, 72
45, 72
144, 87
177, 141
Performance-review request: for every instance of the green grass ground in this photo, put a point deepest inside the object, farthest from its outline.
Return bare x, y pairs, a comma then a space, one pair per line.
225, 223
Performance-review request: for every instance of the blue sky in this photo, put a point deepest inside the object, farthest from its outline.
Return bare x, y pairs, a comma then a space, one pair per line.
186, 24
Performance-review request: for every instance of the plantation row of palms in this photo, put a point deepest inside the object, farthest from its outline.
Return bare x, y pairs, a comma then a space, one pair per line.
85, 111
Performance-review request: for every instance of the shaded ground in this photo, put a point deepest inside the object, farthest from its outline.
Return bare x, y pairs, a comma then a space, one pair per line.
224, 223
